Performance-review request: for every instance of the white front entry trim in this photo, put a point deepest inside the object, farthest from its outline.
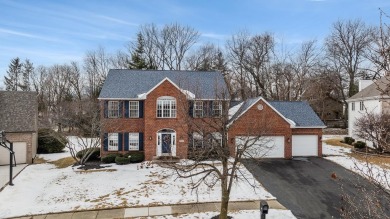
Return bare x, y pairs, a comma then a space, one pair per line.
304, 145
166, 141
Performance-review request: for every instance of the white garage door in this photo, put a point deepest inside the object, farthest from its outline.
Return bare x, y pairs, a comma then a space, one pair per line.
304, 145
20, 149
264, 147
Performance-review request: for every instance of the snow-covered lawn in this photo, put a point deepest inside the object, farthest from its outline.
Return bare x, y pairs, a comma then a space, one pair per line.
247, 214
341, 156
42, 188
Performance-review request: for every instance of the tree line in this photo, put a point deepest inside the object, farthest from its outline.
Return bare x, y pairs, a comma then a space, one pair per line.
252, 65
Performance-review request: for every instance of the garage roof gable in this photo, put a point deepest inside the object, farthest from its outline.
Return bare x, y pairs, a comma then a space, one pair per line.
298, 114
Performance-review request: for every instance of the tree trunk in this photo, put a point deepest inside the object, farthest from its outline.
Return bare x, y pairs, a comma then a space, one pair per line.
224, 200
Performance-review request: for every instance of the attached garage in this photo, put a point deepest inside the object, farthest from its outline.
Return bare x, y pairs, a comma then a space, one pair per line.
20, 149
304, 145
264, 147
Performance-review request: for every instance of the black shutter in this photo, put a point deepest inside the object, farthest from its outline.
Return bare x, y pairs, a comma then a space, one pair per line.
126, 144
210, 108
191, 108
120, 142
105, 106
120, 109
141, 141
141, 109
126, 109
105, 141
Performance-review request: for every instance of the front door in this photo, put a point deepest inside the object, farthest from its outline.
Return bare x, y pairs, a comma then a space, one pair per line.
166, 143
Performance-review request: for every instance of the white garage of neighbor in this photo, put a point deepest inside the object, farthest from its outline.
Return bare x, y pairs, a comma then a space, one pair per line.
263, 147
304, 145
20, 149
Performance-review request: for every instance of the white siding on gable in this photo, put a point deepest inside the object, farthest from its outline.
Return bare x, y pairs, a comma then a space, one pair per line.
370, 106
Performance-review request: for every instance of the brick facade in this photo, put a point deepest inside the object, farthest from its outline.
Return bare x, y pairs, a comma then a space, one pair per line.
255, 122
267, 122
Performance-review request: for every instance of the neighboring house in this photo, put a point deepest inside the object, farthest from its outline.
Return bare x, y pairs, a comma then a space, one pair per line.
369, 99
19, 118
157, 112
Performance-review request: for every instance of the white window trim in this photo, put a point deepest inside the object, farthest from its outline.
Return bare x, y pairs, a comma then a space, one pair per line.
137, 109
133, 141
113, 142
361, 106
111, 109
198, 107
172, 107
217, 106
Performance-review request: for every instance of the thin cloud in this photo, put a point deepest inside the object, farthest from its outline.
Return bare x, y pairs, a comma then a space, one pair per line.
215, 36
116, 20
23, 34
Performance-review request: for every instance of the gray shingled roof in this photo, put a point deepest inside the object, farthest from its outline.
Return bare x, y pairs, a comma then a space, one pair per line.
299, 112
18, 111
373, 90
131, 83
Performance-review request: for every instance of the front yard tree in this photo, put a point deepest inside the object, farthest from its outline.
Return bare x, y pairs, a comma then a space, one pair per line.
13, 79
214, 159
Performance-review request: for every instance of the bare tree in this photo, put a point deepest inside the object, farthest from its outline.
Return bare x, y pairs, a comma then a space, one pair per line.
87, 139
374, 128
345, 48
166, 48
215, 160
96, 65
237, 48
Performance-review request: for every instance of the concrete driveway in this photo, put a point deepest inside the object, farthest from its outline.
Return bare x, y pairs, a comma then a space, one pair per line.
4, 173
305, 186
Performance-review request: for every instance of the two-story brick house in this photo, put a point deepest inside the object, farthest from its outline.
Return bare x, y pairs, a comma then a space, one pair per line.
157, 112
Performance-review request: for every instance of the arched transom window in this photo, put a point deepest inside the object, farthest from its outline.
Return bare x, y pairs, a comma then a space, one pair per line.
166, 107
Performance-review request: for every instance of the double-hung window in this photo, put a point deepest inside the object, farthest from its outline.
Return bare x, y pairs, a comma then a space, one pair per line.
166, 107
217, 108
112, 141
133, 109
133, 141
198, 109
197, 140
353, 106
361, 106
113, 109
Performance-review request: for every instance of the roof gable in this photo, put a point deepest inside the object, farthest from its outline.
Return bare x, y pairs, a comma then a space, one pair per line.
298, 114
242, 108
373, 90
133, 84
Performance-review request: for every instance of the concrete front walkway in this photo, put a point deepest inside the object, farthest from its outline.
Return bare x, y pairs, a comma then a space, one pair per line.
156, 210
4, 173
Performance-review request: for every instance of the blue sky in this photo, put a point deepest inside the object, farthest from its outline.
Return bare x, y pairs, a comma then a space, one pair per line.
48, 32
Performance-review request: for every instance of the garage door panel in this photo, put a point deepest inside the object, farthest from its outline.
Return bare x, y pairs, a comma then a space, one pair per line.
264, 147
304, 145
20, 149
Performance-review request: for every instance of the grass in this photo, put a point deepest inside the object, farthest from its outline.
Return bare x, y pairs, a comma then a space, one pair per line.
92, 171
383, 162
39, 160
337, 142
63, 162
380, 161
